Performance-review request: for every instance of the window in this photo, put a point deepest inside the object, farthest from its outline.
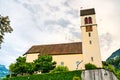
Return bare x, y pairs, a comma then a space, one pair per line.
89, 34
62, 63
92, 59
88, 28
90, 20
86, 20
90, 42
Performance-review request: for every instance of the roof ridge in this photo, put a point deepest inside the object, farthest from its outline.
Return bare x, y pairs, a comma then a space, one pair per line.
55, 44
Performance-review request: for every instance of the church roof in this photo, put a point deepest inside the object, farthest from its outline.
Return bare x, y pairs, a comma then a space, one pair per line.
87, 12
57, 49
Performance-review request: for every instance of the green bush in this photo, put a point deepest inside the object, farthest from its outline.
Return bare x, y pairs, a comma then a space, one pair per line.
76, 78
60, 69
50, 76
90, 66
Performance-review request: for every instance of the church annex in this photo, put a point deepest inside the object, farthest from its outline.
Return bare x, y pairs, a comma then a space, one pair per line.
74, 55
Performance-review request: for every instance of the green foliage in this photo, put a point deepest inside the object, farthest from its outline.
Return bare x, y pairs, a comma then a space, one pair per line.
50, 76
117, 73
111, 68
115, 62
76, 78
60, 69
44, 64
90, 66
113, 65
30, 68
4, 27
21, 67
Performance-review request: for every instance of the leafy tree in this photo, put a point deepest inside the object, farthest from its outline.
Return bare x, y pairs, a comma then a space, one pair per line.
30, 68
19, 67
115, 62
44, 64
113, 65
90, 66
4, 27
13, 69
60, 69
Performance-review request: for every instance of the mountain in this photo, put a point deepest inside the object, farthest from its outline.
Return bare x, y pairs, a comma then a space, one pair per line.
3, 71
114, 54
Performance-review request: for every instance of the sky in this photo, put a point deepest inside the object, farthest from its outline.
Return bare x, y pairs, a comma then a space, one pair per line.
37, 22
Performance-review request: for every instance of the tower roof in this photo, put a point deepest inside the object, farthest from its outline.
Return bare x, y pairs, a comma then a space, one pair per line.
87, 12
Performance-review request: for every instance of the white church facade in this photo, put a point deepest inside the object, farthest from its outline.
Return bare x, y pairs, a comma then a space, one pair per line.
74, 55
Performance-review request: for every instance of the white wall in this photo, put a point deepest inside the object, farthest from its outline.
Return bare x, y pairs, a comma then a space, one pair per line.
69, 60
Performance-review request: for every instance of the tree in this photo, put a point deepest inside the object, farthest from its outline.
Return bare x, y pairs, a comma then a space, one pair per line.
60, 69
12, 69
113, 65
4, 27
30, 68
19, 67
115, 62
44, 64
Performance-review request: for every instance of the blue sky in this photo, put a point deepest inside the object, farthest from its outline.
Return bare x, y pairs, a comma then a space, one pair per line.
37, 22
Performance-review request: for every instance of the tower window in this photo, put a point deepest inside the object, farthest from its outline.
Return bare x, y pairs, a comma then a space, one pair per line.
86, 20
90, 42
89, 34
88, 28
92, 59
90, 20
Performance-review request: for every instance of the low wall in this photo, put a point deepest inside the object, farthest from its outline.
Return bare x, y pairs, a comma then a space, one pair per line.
98, 74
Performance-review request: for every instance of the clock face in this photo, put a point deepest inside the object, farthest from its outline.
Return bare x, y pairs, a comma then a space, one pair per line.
89, 28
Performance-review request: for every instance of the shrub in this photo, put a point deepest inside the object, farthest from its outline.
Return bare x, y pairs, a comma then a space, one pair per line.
76, 78
90, 66
60, 69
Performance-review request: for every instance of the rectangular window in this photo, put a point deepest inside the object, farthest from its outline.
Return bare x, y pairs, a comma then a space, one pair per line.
89, 34
90, 42
89, 28
92, 59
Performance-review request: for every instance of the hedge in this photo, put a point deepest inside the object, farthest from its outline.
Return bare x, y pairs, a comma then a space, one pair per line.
50, 76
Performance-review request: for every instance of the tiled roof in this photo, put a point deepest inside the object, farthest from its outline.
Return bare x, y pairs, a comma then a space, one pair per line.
57, 49
87, 12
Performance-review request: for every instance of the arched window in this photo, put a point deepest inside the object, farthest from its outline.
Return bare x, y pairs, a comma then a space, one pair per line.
90, 20
86, 20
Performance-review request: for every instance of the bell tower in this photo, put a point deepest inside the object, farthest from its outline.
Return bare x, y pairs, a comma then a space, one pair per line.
90, 41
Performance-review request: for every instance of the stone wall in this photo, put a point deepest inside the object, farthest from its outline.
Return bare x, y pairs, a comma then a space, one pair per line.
98, 74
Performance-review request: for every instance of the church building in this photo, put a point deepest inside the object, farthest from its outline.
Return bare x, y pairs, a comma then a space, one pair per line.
74, 55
